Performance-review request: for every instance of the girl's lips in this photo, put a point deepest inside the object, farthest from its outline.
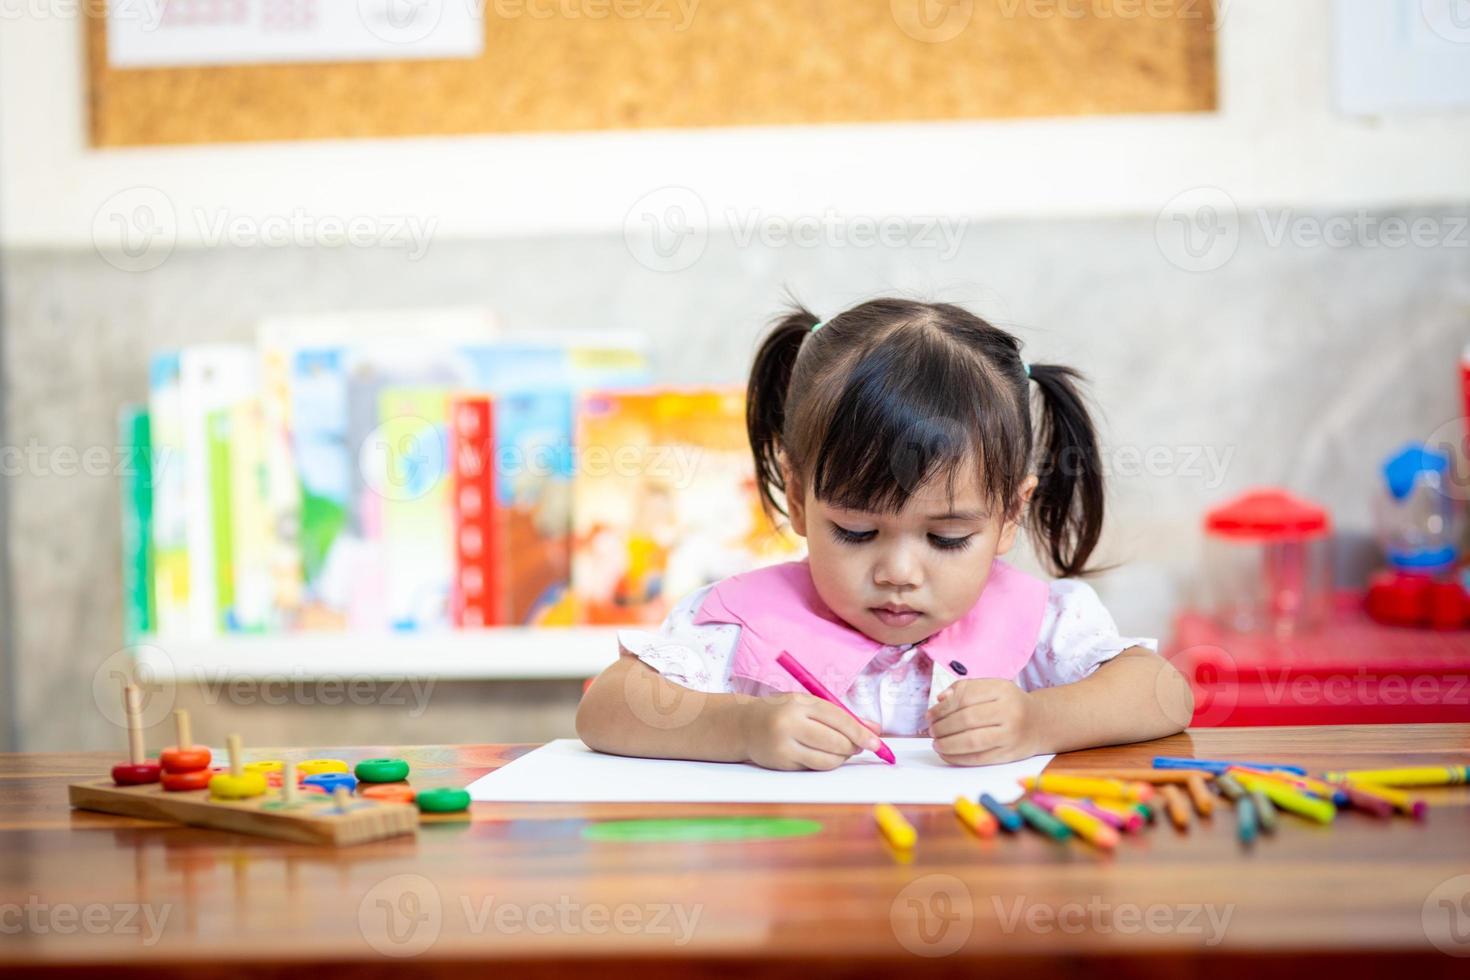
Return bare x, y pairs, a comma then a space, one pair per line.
895, 618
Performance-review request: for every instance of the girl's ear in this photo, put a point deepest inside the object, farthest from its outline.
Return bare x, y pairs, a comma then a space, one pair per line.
795, 496
1013, 526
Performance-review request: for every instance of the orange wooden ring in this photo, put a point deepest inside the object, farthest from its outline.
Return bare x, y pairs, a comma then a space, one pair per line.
387, 792
178, 782
187, 759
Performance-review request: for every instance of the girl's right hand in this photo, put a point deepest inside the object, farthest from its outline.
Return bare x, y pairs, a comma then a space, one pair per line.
799, 731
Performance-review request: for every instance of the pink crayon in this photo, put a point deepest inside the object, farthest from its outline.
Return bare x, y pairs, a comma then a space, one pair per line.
815, 688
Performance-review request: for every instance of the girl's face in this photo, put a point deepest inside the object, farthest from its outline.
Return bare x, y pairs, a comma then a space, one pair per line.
899, 578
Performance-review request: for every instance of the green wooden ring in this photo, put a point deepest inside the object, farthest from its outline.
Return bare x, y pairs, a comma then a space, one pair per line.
443, 800
382, 770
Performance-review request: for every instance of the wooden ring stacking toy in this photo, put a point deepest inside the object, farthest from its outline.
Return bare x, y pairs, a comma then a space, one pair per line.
136, 774
387, 792
178, 782
382, 770
138, 770
312, 767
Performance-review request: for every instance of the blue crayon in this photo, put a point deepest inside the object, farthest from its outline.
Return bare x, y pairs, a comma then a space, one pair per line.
1245, 818
1220, 765
1009, 819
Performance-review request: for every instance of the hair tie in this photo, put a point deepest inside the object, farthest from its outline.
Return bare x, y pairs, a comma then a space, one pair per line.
818, 325
1027, 366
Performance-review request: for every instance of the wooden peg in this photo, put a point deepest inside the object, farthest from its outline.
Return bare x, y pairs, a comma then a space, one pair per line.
181, 724
133, 712
237, 760
289, 789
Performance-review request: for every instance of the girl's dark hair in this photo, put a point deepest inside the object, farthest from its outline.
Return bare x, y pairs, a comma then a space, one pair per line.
893, 393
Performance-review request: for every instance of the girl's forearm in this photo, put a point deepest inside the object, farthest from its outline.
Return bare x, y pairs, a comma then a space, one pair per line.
630, 710
1135, 696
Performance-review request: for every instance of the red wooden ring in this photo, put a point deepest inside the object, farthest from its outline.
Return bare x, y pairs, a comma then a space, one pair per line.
128, 774
178, 782
188, 759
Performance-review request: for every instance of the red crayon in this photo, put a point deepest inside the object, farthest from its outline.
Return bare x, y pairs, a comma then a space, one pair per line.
815, 688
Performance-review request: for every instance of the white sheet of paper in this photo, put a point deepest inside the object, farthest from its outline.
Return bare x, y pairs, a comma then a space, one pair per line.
566, 771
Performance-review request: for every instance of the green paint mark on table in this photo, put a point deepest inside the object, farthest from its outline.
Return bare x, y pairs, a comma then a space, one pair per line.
700, 829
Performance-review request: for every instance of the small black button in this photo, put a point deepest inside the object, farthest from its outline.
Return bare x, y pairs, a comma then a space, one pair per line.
958, 668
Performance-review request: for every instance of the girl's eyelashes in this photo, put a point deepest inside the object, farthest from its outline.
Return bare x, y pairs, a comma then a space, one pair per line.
848, 536
851, 537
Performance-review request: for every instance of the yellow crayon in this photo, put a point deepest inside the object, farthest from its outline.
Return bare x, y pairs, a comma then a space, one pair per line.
972, 816
1288, 798
900, 832
1086, 826
1409, 776
1107, 789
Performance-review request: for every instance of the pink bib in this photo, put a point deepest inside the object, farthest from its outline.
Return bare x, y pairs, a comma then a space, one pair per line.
777, 608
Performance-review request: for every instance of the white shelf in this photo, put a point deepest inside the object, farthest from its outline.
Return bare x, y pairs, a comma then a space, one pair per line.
510, 653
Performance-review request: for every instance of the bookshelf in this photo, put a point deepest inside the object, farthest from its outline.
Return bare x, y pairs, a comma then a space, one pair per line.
505, 653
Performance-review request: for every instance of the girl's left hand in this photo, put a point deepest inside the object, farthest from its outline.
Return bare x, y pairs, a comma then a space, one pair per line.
982, 722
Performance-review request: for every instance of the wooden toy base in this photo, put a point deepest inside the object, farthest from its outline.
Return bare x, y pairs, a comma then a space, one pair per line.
313, 821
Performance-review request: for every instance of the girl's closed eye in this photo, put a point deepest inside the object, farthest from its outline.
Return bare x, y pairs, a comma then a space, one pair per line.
849, 536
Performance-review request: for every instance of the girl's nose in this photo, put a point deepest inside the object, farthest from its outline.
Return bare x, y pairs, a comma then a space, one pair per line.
897, 568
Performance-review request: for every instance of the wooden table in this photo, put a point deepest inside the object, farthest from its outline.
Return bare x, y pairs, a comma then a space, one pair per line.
519, 891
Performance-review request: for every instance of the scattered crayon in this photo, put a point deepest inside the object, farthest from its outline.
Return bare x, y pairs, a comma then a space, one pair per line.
1153, 776
1042, 821
1233, 791
1132, 820
973, 816
1176, 805
1246, 826
1125, 820
1219, 765
1409, 776
1108, 789
1265, 811
1367, 802
1288, 797
1199, 794
1009, 820
1304, 783
1397, 798
900, 832
1086, 825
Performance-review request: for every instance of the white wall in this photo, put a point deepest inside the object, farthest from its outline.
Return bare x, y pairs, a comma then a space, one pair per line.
1276, 140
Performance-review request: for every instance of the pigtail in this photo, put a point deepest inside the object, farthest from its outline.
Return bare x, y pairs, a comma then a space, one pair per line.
765, 402
1067, 509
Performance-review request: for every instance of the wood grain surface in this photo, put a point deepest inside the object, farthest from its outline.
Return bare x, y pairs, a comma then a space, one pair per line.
517, 889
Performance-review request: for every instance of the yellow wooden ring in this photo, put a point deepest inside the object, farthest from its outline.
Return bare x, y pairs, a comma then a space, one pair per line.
265, 765
242, 787
312, 767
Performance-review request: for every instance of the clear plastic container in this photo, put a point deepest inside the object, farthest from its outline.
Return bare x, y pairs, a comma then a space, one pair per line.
1268, 563
1418, 520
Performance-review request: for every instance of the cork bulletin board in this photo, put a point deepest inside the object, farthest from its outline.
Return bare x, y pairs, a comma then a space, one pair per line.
693, 63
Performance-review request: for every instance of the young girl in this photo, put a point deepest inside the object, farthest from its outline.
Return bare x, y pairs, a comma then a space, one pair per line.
898, 438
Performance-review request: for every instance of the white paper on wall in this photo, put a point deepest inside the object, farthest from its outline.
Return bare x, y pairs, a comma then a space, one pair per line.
177, 33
